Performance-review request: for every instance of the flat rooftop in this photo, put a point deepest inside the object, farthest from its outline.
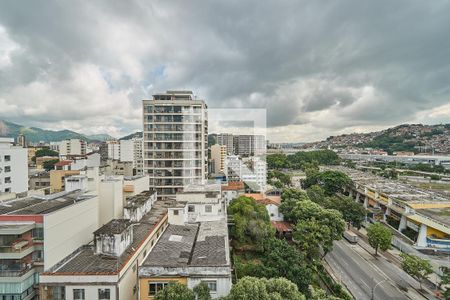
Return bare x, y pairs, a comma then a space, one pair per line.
194, 245
392, 188
139, 199
84, 261
40, 205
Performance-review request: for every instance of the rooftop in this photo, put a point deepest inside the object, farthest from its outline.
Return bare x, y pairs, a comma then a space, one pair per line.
115, 226
85, 261
194, 245
39, 205
393, 189
139, 199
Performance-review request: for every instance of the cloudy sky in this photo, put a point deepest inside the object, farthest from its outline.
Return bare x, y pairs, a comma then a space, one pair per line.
319, 68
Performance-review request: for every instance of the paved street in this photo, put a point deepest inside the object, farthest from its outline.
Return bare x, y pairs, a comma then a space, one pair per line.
356, 269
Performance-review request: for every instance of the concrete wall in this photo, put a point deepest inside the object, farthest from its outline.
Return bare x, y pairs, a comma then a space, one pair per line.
18, 165
110, 199
274, 213
67, 229
126, 150
223, 285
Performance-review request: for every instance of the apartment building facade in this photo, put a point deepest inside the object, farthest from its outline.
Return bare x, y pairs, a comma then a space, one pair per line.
218, 154
175, 141
72, 147
13, 167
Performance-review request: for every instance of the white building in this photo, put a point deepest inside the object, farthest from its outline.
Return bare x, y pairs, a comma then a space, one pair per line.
203, 203
251, 170
126, 151
138, 158
175, 141
113, 149
72, 147
37, 232
13, 167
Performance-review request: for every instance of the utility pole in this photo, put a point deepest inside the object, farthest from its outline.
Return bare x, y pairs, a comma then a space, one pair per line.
373, 289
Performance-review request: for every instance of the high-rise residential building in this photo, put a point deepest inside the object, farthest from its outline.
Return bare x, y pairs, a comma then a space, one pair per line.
72, 147
249, 145
21, 141
175, 141
218, 154
226, 139
138, 159
113, 149
13, 167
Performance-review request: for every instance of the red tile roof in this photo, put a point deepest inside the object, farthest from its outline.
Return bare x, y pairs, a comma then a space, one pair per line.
282, 226
63, 163
233, 186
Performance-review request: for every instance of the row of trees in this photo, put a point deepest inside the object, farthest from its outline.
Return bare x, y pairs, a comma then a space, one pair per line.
302, 160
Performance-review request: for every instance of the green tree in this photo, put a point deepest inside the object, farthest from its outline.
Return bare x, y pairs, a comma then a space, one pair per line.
280, 259
251, 221
319, 294
379, 237
317, 194
276, 161
175, 291
416, 267
50, 164
46, 152
311, 237
289, 199
445, 280
264, 289
311, 216
351, 211
202, 291
333, 181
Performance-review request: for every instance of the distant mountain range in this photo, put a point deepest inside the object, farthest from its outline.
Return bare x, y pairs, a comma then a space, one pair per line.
137, 134
35, 135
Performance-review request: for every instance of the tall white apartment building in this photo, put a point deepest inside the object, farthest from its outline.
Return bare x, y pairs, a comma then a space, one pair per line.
13, 167
138, 158
72, 147
175, 141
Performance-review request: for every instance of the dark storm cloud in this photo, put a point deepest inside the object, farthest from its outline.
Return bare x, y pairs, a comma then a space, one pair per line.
312, 64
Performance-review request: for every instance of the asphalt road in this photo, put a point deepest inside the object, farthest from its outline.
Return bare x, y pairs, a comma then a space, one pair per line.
360, 276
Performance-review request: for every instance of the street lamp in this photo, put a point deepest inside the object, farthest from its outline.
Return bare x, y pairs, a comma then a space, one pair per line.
373, 289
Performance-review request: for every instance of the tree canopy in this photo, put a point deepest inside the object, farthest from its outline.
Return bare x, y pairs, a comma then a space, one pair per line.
251, 221
175, 291
379, 237
302, 159
331, 181
265, 289
416, 267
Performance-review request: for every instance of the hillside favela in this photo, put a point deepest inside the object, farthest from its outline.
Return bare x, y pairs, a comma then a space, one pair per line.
233, 150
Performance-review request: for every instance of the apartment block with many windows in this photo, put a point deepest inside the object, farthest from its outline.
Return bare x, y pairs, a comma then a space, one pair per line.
175, 141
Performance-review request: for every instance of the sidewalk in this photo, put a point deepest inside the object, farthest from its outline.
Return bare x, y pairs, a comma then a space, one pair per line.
393, 256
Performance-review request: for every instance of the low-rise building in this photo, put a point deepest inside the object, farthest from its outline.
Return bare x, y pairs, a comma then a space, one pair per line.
37, 232
72, 147
188, 254
272, 204
107, 268
403, 206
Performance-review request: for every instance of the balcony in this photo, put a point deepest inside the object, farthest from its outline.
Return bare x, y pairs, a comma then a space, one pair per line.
16, 250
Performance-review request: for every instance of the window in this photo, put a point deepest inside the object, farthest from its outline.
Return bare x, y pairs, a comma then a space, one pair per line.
104, 294
212, 285
38, 233
7, 169
175, 212
208, 208
191, 208
78, 294
155, 287
7, 179
7, 190
59, 293
7, 157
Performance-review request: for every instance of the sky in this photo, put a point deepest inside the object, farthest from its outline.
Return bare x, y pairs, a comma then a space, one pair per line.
318, 68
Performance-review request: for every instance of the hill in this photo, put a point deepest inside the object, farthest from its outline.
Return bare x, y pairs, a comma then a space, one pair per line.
137, 134
35, 135
417, 138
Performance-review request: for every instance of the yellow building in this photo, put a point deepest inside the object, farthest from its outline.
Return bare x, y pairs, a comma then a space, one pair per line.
41, 160
57, 177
